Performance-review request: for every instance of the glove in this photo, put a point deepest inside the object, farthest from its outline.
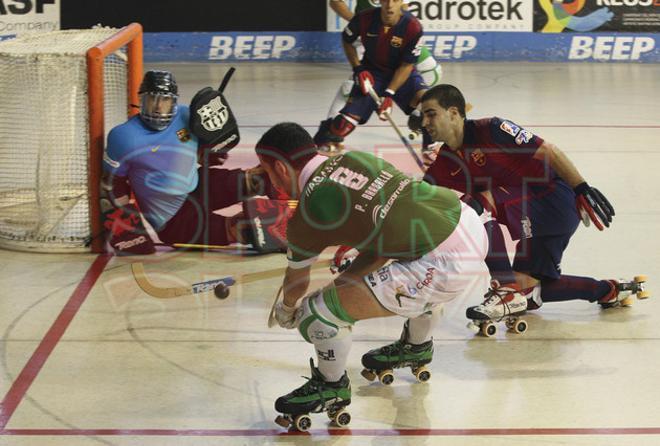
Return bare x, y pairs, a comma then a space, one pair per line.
592, 205
343, 259
430, 153
385, 107
286, 316
362, 76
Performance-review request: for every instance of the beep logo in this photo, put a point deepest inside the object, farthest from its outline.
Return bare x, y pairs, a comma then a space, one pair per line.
261, 47
619, 48
449, 47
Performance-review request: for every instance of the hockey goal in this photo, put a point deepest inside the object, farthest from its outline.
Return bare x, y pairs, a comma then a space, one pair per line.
61, 93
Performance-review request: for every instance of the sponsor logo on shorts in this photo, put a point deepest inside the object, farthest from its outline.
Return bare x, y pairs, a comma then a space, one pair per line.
401, 294
428, 279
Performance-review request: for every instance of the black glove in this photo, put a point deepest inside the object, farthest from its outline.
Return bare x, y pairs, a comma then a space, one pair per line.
592, 205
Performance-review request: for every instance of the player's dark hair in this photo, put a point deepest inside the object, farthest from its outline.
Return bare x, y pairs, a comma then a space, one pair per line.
288, 140
447, 96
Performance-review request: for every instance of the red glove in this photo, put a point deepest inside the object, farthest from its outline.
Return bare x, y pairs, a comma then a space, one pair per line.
362, 77
385, 107
592, 205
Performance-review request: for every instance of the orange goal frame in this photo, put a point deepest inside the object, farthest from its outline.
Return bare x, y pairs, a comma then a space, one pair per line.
131, 37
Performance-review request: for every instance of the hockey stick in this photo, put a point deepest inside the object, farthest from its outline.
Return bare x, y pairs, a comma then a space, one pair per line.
225, 80
148, 287
169, 292
403, 139
272, 320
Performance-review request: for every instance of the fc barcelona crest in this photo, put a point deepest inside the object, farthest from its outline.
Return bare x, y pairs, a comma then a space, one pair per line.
478, 157
214, 115
396, 41
183, 135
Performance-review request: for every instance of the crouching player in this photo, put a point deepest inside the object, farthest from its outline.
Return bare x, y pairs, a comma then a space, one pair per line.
390, 38
435, 243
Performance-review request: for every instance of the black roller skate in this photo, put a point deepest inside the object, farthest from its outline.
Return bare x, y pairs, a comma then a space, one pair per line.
328, 143
380, 362
622, 292
315, 396
502, 302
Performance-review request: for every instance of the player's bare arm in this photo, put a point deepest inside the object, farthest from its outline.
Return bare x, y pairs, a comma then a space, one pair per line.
401, 75
341, 9
296, 282
351, 54
560, 163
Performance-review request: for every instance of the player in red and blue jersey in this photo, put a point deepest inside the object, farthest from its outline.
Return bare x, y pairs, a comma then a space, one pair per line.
517, 179
390, 38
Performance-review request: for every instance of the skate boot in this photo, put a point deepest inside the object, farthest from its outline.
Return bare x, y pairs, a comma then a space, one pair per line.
328, 143
315, 396
503, 302
380, 362
622, 291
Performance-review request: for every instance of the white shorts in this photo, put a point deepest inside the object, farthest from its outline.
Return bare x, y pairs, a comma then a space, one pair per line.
454, 269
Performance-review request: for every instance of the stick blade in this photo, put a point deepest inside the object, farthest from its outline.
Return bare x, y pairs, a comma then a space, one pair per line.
140, 277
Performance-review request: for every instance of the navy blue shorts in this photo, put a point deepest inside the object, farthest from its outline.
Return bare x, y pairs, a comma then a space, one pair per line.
544, 219
363, 106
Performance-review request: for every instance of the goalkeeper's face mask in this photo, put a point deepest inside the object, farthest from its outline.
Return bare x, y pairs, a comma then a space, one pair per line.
157, 109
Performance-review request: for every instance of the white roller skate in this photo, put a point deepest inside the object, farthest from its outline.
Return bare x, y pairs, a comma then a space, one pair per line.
502, 302
622, 292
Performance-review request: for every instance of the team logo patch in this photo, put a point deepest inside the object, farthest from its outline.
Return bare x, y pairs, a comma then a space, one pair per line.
478, 157
510, 128
183, 135
396, 41
524, 137
213, 115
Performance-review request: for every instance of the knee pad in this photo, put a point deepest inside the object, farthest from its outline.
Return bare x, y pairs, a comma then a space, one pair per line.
322, 317
342, 125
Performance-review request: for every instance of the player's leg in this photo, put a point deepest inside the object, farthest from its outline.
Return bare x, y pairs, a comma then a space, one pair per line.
428, 67
454, 269
505, 297
344, 91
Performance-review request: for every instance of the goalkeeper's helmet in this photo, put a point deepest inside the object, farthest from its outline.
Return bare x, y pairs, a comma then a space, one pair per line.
158, 98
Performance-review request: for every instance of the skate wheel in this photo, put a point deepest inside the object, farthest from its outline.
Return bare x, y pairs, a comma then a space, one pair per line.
342, 418
640, 279
422, 374
643, 295
368, 374
488, 329
303, 423
283, 421
386, 377
627, 302
520, 326
473, 327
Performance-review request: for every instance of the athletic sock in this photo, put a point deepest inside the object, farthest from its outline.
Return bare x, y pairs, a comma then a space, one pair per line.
574, 287
497, 258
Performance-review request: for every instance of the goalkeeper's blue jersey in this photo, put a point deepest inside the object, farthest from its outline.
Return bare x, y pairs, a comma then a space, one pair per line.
160, 165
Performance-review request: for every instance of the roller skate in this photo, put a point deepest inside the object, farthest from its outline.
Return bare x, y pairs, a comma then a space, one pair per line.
380, 362
503, 302
315, 396
622, 292
328, 143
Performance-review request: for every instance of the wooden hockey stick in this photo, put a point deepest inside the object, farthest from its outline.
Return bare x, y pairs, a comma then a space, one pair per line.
148, 287
403, 139
272, 320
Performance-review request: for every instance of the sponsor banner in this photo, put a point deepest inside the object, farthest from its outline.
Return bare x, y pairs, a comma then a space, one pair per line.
461, 15
25, 16
597, 15
326, 47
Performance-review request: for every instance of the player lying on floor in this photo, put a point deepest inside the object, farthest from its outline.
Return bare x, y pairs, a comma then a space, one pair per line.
167, 157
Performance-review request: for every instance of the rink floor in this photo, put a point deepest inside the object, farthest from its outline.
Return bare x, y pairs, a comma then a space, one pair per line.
87, 358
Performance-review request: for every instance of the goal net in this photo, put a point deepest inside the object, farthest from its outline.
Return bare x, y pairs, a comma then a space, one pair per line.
61, 93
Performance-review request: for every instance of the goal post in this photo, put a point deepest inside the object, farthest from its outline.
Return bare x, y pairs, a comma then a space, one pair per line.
131, 37
61, 93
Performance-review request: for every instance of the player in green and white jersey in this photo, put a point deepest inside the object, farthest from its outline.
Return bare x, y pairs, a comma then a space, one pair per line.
426, 66
419, 247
